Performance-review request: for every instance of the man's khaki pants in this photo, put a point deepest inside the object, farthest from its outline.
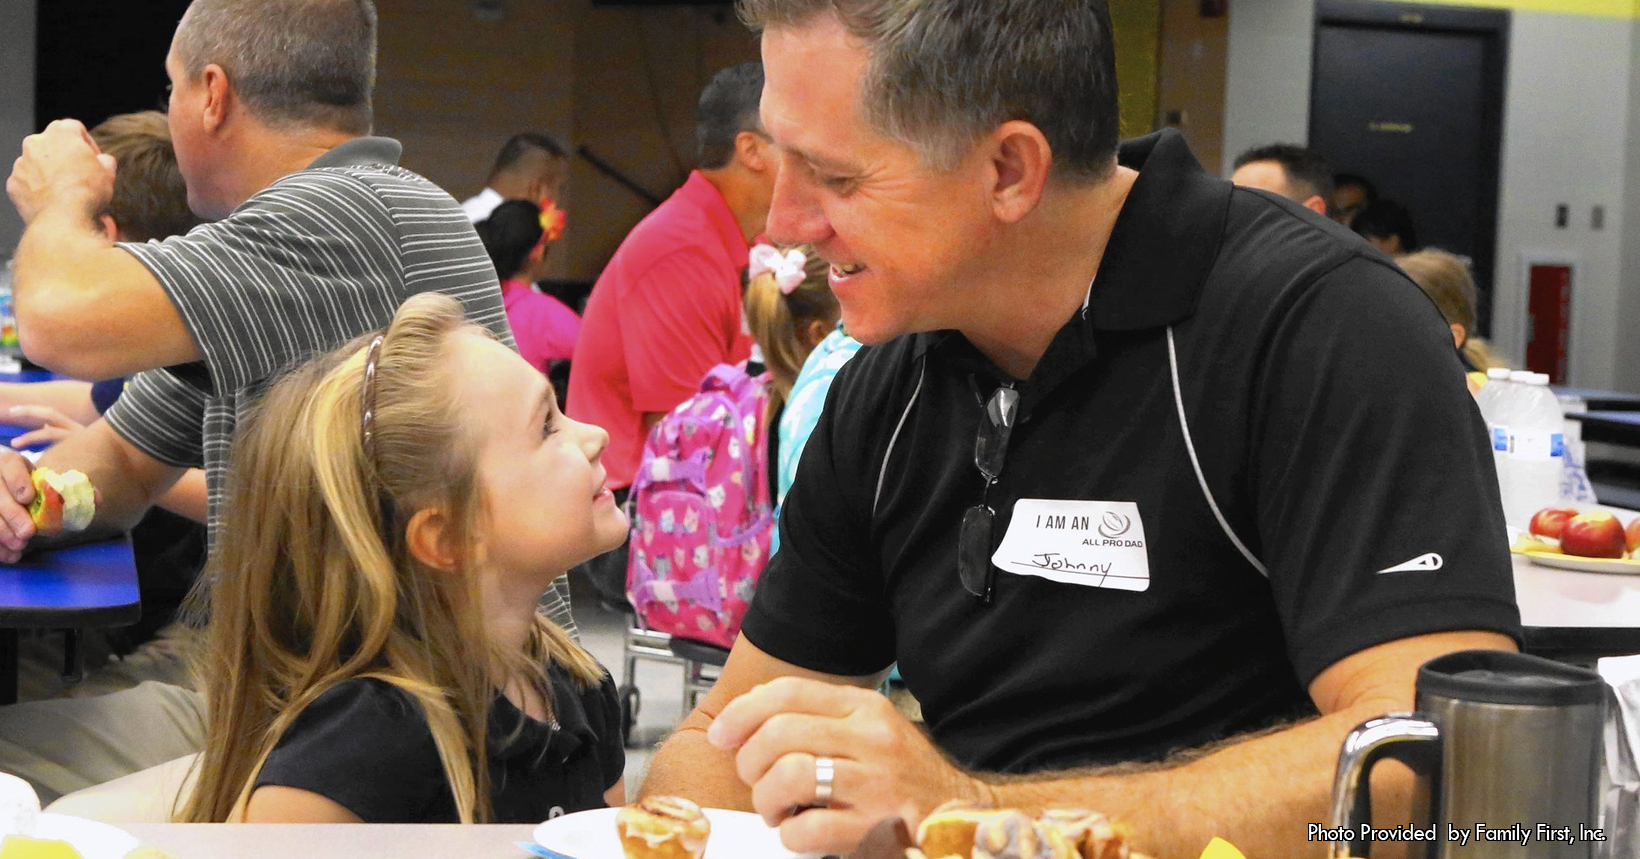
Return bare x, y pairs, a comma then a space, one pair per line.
132, 714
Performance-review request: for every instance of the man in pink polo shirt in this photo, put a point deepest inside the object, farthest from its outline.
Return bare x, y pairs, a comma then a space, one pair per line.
667, 307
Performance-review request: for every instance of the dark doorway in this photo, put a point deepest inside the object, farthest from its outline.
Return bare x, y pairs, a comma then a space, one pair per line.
1411, 97
94, 58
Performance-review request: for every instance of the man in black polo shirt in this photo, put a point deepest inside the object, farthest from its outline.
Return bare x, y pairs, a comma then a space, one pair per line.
1144, 468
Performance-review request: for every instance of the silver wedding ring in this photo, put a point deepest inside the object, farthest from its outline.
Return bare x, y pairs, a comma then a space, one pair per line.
825, 771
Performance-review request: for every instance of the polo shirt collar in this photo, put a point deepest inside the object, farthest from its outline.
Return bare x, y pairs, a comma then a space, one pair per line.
1160, 250
1164, 241
359, 152
699, 191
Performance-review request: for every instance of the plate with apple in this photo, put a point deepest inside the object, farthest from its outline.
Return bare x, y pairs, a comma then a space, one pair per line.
1595, 541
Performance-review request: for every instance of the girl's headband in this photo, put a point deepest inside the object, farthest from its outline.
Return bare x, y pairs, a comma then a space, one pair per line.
367, 396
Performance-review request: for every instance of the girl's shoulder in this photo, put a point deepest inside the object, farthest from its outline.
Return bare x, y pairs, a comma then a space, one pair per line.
366, 700
378, 719
364, 743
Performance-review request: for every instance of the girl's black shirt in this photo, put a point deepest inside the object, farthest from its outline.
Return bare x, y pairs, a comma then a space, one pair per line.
365, 744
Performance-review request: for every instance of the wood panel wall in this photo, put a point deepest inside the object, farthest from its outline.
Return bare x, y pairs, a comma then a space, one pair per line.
639, 73
1190, 84
1138, 45
457, 77
453, 85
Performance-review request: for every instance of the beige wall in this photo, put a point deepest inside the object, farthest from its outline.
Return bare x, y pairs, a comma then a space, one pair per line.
622, 81
639, 73
1190, 79
453, 87
1138, 29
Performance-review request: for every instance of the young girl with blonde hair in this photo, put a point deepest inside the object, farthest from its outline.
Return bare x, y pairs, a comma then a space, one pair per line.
1445, 278
395, 511
789, 309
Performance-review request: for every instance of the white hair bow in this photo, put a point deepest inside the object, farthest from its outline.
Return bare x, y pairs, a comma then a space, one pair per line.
787, 268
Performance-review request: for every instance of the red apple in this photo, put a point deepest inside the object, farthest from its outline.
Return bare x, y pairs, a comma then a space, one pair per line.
1550, 521
1634, 535
1594, 535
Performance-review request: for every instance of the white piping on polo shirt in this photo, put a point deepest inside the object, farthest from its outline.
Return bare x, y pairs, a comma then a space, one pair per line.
882, 473
1184, 424
1201, 479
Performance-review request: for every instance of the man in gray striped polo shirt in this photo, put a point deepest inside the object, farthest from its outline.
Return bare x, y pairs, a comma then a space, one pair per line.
321, 236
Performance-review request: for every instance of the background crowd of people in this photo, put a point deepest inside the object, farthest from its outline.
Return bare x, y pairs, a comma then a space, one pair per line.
396, 443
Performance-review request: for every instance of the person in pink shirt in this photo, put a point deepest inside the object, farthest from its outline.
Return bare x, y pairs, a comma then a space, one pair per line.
517, 235
667, 308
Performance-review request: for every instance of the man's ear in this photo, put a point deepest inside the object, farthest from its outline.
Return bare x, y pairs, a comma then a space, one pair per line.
752, 151
1021, 161
431, 539
1317, 204
536, 189
108, 227
218, 97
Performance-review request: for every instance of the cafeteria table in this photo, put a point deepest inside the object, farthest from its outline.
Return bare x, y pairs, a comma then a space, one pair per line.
1575, 616
93, 585
87, 586
1611, 427
35, 375
329, 841
1599, 400
12, 431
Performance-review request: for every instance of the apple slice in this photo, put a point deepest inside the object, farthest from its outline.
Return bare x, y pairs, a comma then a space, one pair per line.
1550, 521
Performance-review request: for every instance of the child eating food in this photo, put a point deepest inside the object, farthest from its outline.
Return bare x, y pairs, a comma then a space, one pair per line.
395, 511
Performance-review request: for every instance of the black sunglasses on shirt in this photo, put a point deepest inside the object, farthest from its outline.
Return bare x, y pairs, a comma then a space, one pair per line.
990, 451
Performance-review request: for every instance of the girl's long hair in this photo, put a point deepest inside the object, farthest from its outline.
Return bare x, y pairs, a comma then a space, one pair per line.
311, 580
776, 320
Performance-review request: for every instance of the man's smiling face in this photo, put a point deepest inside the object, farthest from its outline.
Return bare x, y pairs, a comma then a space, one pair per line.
899, 234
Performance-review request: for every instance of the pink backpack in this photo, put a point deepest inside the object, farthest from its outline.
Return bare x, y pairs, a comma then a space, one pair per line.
701, 512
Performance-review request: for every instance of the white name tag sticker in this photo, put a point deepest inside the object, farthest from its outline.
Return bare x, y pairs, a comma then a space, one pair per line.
1098, 544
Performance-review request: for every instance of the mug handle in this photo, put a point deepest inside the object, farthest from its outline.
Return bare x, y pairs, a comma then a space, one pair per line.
1410, 738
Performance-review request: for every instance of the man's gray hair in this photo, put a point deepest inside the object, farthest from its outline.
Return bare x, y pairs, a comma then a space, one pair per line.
944, 73
295, 63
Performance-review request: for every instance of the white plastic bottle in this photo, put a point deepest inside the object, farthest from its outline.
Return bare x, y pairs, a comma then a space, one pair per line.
1536, 456
1494, 399
1575, 488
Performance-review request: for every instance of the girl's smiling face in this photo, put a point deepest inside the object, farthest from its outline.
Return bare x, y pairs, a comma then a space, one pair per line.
546, 505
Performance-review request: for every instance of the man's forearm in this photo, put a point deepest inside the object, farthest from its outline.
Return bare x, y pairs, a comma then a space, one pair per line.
71, 398
189, 496
687, 765
126, 480
1261, 794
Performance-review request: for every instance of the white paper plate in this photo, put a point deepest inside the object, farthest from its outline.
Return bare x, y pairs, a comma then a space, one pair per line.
92, 839
1587, 565
591, 835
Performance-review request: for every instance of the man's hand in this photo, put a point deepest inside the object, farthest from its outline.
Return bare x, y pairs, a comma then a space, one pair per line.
47, 426
883, 764
16, 525
61, 166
